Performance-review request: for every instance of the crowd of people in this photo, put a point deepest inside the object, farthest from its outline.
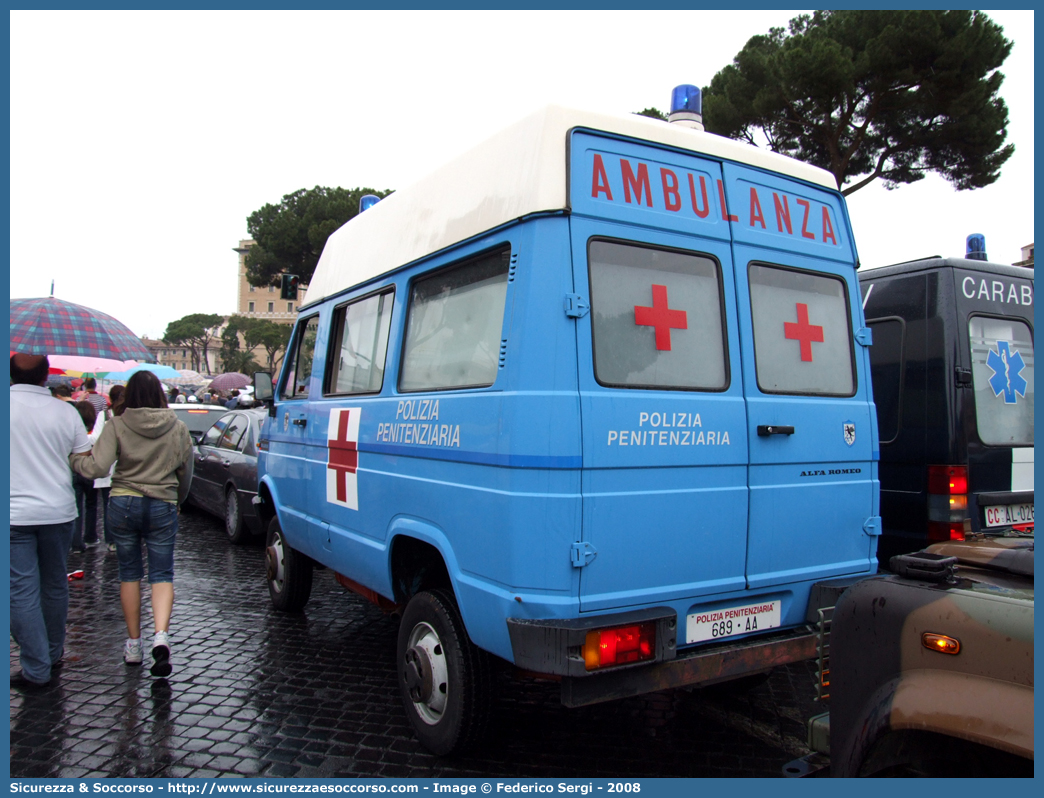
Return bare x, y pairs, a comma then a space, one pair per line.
127, 454
211, 396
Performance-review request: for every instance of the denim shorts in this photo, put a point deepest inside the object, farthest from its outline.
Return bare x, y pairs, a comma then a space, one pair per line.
136, 520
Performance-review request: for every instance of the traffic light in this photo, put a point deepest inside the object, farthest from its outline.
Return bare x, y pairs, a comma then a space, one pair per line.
288, 286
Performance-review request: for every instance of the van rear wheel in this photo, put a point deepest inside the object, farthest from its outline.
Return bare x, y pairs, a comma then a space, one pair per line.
289, 572
445, 680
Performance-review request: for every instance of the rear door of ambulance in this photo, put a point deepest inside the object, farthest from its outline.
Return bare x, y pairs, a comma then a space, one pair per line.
811, 427
662, 410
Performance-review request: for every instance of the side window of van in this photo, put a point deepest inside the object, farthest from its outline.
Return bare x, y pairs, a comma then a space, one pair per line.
296, 384
1002, 376
454, 324
656, 318
360, 345
802, 332
886, 371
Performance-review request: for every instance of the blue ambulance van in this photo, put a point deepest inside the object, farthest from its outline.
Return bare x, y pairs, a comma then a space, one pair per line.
593, 399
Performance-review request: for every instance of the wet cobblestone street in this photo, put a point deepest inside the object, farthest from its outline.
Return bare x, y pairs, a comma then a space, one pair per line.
259, 693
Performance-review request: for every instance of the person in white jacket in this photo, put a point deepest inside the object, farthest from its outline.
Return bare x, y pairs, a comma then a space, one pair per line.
103, 485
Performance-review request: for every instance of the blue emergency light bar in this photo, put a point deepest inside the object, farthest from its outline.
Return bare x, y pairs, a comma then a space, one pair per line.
686, 98
975, 248
367, 201
687, 107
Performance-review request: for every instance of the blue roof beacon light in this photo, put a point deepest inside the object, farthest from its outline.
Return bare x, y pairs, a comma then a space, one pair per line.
367, 201
687, 107
975, 249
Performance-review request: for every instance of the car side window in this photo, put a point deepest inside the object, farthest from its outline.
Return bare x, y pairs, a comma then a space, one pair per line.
247, 445
213, 435
233, 433
296, 384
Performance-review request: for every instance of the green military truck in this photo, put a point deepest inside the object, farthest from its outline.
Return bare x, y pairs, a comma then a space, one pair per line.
929, 671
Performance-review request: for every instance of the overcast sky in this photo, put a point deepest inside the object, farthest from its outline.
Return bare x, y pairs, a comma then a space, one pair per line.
141, 141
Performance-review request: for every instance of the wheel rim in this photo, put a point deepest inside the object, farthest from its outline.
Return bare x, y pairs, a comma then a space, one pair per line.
231, 513
275, 564
426, 673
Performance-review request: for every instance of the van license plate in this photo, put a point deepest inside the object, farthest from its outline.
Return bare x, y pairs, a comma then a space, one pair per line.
731, 621
1009, 514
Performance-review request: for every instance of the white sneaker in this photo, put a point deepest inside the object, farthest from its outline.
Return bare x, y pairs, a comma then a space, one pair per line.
132, 652
160, 655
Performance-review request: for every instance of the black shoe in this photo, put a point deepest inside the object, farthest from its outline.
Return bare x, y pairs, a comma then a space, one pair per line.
92, 542
19, 681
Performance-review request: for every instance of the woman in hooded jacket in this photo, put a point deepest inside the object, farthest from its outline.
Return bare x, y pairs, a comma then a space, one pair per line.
152, 451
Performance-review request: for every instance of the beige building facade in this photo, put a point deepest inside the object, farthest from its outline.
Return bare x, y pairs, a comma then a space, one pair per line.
252, 301
178, 357
262, 302
1027, 257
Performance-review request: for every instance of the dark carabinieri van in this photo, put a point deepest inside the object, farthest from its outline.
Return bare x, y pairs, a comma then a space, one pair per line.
952, 369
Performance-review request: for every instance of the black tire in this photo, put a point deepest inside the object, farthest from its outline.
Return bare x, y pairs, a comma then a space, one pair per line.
444, 679
236, 530
289, 573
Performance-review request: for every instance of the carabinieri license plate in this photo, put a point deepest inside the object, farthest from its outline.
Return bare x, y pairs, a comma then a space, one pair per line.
730, 621
1009, 514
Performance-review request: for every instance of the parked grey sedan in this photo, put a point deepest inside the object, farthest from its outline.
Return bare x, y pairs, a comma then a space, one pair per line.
198, 417
225, 479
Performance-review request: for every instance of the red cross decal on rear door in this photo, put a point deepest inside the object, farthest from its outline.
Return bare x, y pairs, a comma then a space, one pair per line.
343, 460
803, 332
660, 317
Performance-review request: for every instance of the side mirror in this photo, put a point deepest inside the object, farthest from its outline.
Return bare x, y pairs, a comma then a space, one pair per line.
263, 392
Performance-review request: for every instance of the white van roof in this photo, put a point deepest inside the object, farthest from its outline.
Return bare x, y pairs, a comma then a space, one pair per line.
519, 171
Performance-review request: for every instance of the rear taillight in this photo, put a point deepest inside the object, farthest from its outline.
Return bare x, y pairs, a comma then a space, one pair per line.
947, 502
606, 647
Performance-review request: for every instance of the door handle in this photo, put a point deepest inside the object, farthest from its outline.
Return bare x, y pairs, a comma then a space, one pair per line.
226, 463
300, 422
764, 430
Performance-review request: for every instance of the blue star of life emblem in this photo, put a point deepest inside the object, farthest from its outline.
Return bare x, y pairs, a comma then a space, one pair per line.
1007, 376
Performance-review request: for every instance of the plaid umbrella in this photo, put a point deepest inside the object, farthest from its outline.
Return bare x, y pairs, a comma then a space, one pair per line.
54, 327
230, 380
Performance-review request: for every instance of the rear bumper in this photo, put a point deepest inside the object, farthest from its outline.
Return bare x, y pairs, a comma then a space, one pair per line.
699, 666
553, 647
